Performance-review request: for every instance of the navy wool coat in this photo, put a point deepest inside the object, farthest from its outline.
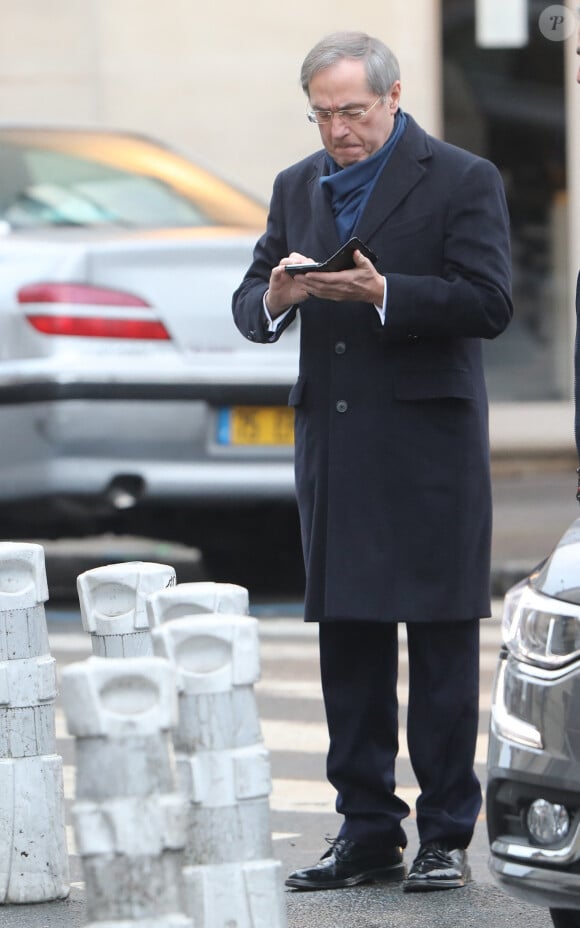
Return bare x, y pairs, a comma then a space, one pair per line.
577, 374
391, 427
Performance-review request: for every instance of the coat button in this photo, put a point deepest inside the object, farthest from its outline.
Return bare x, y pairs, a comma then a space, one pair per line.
340, 347
342, 406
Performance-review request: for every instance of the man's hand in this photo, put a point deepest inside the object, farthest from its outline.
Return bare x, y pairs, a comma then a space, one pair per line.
284, 291
363, 283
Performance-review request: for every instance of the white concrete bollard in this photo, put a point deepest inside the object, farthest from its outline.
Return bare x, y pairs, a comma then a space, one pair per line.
192, 598
188, 599
223, 768
128, 816
33, 854
113, 606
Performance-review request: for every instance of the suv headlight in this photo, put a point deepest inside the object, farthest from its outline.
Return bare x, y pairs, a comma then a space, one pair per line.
539, 629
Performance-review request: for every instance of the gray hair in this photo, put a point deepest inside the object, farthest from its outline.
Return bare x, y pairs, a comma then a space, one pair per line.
381, 65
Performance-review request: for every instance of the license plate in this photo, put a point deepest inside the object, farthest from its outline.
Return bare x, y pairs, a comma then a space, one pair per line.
256, 425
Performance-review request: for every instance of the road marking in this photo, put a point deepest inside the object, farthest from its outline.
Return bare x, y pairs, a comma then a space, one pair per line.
317, 796
289, 656
312, 738
69, 642
271, 630
289, 689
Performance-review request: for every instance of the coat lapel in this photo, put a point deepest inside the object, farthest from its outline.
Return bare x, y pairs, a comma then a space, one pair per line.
404, 171
325, 231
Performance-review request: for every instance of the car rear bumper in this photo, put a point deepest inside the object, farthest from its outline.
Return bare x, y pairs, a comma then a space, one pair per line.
115, 388
158, 483
83, 446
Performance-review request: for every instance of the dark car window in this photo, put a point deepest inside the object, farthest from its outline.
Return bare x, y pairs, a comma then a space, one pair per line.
93, 179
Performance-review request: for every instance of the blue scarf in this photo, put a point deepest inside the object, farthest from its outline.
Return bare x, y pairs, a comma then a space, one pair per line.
350, 188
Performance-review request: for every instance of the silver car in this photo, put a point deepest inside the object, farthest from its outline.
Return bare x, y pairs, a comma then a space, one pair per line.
533, 790
127, 395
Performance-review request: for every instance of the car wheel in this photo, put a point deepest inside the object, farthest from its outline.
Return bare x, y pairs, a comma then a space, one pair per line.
565, 918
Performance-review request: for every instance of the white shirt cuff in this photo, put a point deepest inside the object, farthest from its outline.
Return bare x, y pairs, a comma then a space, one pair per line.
273, 323
382, 310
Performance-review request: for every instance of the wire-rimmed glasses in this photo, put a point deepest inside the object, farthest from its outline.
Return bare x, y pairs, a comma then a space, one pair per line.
348, 114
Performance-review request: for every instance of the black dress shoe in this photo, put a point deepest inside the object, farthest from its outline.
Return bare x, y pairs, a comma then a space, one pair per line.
437, 866
347, 863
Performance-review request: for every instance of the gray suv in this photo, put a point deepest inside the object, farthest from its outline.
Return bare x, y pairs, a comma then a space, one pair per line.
533, 789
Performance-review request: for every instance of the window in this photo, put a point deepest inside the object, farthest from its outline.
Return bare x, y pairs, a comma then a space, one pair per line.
507, 104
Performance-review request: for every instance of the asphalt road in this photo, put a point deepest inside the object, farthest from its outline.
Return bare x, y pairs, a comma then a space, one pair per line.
532, 511
302, 803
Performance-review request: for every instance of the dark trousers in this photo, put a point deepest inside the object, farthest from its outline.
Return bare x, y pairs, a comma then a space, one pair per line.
359, 662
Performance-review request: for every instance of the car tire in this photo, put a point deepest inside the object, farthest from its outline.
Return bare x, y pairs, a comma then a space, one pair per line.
565, 918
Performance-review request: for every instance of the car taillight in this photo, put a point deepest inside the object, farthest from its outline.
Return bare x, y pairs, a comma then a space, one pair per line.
112, 313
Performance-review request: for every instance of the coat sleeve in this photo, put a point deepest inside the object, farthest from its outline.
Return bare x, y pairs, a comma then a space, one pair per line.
472, 298
247, 301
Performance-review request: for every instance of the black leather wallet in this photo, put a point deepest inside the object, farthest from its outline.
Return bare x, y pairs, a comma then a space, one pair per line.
341, 260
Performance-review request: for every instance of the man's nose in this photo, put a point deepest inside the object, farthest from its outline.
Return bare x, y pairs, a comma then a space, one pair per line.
339, 126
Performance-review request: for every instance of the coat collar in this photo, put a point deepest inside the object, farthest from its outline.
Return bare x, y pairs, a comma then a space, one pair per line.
404, 170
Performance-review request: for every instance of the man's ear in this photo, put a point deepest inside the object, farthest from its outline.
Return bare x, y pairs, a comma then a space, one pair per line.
394, 95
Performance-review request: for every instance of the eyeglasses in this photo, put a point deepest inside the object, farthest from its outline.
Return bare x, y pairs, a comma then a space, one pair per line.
350, 114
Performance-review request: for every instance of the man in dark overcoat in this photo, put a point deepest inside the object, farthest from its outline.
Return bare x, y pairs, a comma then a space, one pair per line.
392, 454
577, 342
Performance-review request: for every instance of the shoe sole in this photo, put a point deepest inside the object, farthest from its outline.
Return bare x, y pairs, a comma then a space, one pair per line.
424, 886
393, 874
